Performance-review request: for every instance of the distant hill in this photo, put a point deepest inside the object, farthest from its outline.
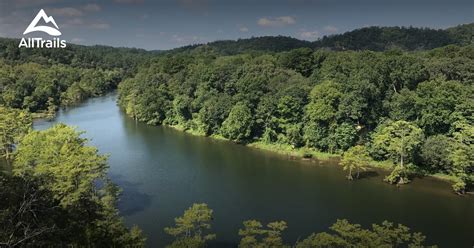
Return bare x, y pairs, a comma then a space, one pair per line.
264, 44
405, 38
464, 34
369, 38
106, 57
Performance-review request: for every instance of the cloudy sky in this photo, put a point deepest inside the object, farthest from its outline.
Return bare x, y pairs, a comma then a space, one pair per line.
164, 24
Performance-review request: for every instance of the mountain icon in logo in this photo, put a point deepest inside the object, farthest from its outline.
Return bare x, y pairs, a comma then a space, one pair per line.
47, 19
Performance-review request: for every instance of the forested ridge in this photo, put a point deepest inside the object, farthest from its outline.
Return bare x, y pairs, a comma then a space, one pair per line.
402, 102
368, 38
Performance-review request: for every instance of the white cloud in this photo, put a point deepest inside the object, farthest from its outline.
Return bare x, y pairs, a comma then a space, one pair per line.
309, 35
243, 29
331, 29
276, 22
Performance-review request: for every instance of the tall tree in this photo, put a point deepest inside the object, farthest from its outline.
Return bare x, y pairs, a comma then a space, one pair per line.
356, 158
398, 140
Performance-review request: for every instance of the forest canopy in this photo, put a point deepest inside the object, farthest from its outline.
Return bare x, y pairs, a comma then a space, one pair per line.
399, 105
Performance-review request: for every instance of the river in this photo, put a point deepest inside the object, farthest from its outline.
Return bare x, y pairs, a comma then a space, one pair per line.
163, 171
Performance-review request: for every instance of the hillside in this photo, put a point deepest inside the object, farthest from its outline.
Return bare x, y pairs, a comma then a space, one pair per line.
105, 57
384, 38
369, 38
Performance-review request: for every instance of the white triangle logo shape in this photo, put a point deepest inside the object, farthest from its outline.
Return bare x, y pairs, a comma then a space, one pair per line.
47, 19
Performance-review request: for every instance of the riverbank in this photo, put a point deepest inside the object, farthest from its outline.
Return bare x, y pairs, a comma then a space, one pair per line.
305, 153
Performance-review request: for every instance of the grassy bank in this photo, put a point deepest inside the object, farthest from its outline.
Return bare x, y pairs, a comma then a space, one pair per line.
303, 153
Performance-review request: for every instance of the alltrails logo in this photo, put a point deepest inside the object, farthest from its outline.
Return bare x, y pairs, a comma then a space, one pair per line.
40, 42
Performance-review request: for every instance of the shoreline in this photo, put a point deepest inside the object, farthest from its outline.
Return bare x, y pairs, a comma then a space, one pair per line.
307, 154
284, 150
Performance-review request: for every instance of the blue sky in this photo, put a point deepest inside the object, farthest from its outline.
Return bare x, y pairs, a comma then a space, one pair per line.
165, 24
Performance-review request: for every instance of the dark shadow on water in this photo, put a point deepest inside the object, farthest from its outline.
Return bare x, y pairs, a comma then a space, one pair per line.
368, 174
131, 199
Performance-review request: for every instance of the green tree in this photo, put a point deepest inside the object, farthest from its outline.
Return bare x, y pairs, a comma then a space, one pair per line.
346, 234
238, 125
356, 158
398, 140
462, 155
51, 111
324, 102
14, 124
255, 235
53, 196
300, 60
436, 101
191, 228
435, 153
62, 161
293, 134
341, 137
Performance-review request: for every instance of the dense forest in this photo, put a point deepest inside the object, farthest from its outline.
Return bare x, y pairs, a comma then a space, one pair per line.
368, 38
41, 80
374, 96
411, 108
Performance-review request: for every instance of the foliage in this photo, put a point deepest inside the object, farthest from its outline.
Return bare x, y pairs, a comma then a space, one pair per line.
356, 158
238, 125
255, 235
14, 124
398, 140
62, 161
353, 235
54, 197
435, 152
384, 38
190, 229
40, 80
